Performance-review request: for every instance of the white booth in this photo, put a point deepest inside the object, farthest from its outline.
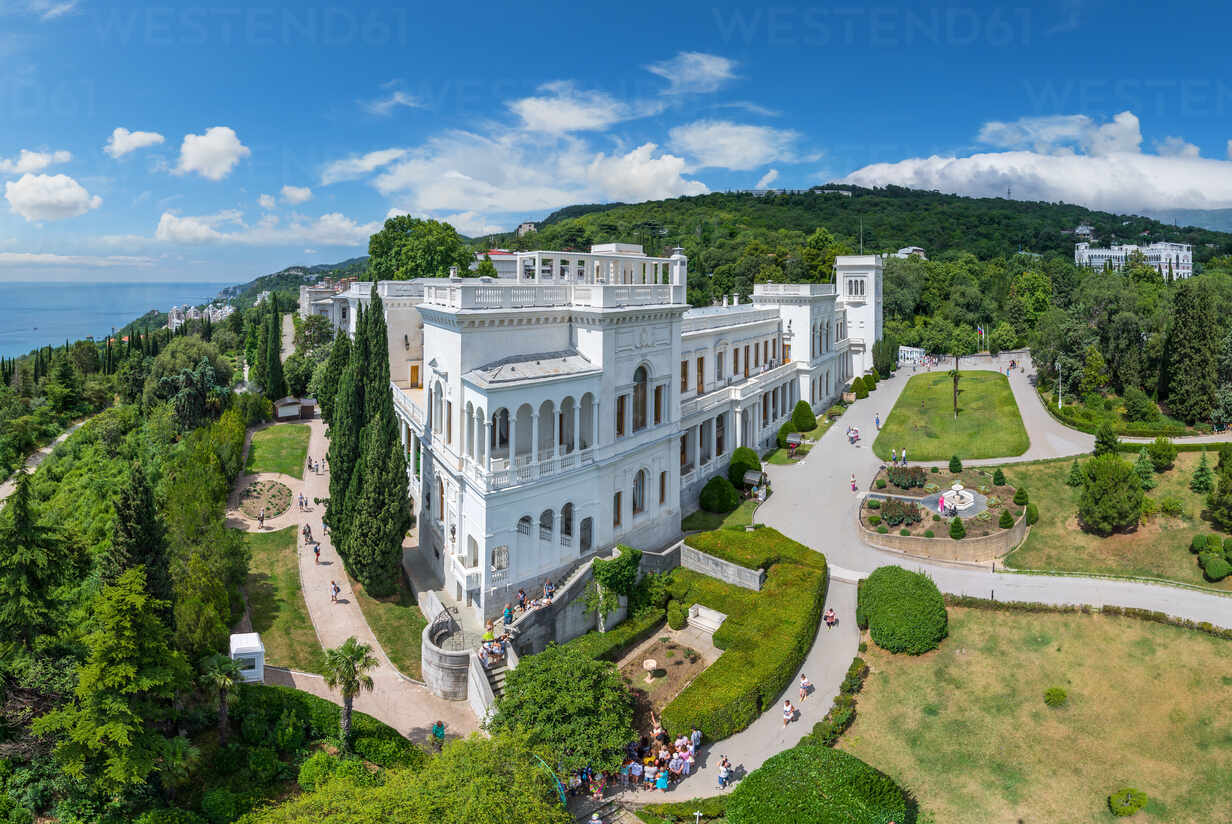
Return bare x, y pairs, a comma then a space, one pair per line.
248, 651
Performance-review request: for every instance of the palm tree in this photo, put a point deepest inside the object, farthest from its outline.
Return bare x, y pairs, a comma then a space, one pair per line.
346, 670
179, 757
220, 673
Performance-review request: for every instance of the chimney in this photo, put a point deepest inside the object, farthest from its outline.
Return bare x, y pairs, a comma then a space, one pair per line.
725, 300
735, 298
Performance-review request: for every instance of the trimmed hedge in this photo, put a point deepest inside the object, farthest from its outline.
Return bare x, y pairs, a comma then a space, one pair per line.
266, 704
765, 638
742, 460
902, 610
1126, 801
819, 785
1155, 617
802, 417
710, 808
827, 731
719, 496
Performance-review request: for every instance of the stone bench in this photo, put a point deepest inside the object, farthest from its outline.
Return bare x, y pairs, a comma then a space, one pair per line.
705, 618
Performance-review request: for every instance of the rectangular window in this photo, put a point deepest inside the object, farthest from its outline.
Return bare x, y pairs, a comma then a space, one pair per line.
620, 416
701, 376
684, 451
658, 405
616, 509
786, 352
662, 488
765, 408
746, 360
718, 367
449, 422
684, 377
756, 356
765, 351
736, 361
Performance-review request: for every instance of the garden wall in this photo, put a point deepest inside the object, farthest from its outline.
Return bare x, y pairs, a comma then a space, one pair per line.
945, 548
725, 571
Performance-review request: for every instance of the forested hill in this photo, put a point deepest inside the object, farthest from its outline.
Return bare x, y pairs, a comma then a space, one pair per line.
892, 217
289, 280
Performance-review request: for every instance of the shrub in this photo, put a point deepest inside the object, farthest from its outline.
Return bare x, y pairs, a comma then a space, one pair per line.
1111, 497
883, 530
1126, 801
220, 805
1171, 506
784, 430
390, 752
904, 611
1214, 566
896, 512
1020, 496
928, 533
289, 731
957, 530
819, 785
1227, 548
936, 517
1163, 453
263, 764
802, 417
1076, 476
170, 815
870, 380
1197, 544
1203, 479
881, 483
935, 470
835, 411
1006, 520
1032, 514
613, 644
998, 477
873, 520
719, 496
1145, 469
677, 615
1138, 407
857, 386
906, 477
1055, 697
315, 769
1106, 442
904, 531
955, 464
743, 459
874, 503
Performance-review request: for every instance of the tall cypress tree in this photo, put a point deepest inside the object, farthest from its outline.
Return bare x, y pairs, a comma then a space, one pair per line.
33, 562
139, 538
344, 442
376, 384
379, 511
275, 384
1193, 353
339, 355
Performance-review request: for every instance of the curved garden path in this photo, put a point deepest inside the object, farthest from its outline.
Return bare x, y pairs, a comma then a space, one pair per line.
405, 705
37, 457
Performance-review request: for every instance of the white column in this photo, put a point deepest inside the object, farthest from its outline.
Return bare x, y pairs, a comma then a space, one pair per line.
577, 425
534, 437
594, 423
487, 444
738, 429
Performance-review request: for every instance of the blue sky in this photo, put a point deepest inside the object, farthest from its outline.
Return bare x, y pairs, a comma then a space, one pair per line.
196, 142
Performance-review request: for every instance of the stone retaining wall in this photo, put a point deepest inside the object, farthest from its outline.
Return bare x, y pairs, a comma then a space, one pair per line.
725, 571
944, 548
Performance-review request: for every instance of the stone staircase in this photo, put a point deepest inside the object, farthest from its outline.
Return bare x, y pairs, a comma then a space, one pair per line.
496, 678
610, 812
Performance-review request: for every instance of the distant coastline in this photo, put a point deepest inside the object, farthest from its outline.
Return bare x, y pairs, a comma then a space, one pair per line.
48, 313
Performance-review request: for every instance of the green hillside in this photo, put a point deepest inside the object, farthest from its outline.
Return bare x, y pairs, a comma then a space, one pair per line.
288, 281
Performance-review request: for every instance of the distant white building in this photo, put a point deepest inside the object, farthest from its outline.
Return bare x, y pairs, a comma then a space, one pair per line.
1084, 230
262, 297
1163, 257
504, 261
526, 227
911, 251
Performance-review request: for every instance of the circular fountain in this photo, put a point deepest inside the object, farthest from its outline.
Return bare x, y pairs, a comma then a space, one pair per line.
959, 498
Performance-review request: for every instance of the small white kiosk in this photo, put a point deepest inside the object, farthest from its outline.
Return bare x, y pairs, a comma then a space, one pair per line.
248, 651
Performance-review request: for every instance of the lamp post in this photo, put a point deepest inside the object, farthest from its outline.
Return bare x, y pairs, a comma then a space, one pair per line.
1060, 400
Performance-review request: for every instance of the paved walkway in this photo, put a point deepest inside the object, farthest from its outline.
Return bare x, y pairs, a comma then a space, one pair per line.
37, 457
405, 705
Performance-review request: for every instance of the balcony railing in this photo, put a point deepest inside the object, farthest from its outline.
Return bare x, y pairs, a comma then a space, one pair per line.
492, 295
471, 577
793, 289
522, 469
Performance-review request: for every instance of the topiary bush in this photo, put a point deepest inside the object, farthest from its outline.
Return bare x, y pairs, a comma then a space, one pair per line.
998, 477
1163, 453
873, 520
1111, 497
1055, 697
858, 387
784, 430
958, 530
802, 417
819, 785
874, 503
1032, 514
955, 464
1127, 801
903, 610
928, 533
1215, 566
883, 530
936, 517
743, 459
904, 531
1197, 544
677, 615
881, 483
1006, 520
719, 496
870, 380
1020, 496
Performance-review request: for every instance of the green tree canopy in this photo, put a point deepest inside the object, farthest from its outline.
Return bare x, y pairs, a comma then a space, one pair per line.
1111, 498
409, 247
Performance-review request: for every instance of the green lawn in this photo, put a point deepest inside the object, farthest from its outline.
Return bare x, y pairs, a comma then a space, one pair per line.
397, 624
276, 602
280, 448
922, 422
1157, 549
966, 728
704, 521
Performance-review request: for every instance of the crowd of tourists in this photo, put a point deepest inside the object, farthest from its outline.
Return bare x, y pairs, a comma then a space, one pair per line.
655, 762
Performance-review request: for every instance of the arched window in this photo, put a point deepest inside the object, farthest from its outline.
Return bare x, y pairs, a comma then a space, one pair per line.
524, 525
639, 398
639, 492
436, 408
500, 558
566, 524
545, 525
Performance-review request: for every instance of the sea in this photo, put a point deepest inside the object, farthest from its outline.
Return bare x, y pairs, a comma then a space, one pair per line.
50, 312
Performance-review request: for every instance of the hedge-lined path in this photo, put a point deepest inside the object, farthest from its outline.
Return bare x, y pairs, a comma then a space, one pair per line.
813, 503
405, 705
37, 457
826, 665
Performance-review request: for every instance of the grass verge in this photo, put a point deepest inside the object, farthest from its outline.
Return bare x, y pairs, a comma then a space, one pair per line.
397, 624
738, 518
276, 602
280, 448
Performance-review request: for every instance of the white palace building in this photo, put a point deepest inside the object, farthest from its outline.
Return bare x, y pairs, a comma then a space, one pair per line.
582, 403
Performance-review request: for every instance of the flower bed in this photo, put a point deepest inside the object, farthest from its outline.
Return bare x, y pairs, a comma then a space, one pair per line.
271, 496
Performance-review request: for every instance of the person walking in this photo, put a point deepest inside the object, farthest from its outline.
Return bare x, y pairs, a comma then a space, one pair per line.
904, 457
261, 519
877, 420
853, 483
333, 592
316, 554
806, 687
789, 712
508, 614
893, 457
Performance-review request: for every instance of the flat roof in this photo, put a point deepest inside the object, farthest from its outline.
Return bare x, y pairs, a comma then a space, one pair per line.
516, 368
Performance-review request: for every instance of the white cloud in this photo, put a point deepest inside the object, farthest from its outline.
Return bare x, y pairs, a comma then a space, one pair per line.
212, 155
1172, 146
296, 195
310, 251
471, 224
1065, 133
694, 72
331, 229
266, 201
122, 141
356, 166
51, 9
766, 179
730, 145
1123, 182
28, 161
48, 259
561, 107
750, 107
641, 175
385, 106
49, 197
